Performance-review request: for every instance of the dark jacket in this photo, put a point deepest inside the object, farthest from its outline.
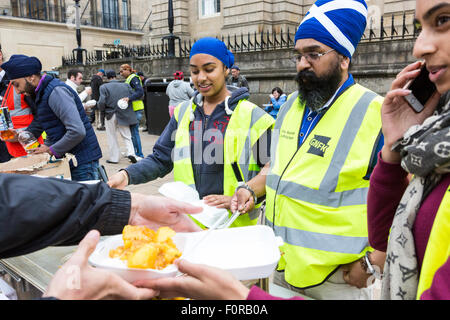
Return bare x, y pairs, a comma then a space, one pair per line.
112, 92
88, 149
138, 90
96, 82
208, 177
39, 212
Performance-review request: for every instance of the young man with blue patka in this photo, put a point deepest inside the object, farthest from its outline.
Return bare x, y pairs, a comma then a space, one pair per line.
324, 147
61, 114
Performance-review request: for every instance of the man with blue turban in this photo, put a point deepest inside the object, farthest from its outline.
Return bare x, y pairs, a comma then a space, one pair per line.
324, 146
61, 114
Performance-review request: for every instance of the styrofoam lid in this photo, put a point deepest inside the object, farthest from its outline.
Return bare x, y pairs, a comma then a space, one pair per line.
179, 191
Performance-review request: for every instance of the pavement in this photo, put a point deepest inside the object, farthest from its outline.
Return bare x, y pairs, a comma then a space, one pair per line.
148, 141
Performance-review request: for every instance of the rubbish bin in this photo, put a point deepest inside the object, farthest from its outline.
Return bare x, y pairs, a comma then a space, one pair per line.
156, 107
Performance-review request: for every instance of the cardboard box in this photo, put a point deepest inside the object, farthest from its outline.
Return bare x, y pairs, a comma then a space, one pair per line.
38, 164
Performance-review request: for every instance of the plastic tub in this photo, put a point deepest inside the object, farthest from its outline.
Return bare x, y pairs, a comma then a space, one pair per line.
246, 252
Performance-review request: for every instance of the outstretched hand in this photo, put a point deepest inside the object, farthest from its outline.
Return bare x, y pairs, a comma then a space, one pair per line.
156, 212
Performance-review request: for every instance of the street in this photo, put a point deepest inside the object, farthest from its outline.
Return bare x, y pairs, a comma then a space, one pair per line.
150, 188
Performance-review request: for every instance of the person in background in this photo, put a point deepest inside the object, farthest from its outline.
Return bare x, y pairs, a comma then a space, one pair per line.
60, 113
410, 219
145, 81
178, 91
236, 79
96, 82
22, 111
135, 100
117, 119
277, 99
74, 80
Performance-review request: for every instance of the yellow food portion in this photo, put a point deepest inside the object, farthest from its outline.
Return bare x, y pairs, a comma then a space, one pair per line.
146, 249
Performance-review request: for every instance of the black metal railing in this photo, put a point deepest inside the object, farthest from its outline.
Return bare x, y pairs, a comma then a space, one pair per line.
237, 43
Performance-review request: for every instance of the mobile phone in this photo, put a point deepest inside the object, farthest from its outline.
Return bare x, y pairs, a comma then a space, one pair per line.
421, 90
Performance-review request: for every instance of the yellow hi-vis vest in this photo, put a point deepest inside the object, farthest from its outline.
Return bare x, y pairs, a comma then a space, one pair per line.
438, 246
247, 124
137, 104
316, 194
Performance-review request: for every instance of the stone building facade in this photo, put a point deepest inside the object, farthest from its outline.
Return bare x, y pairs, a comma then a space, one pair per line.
200, 18
35, 26
46, 28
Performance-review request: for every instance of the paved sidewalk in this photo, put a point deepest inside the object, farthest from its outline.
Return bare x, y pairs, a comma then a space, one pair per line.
147, 147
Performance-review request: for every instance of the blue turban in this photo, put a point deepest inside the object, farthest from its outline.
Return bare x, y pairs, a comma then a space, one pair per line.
215, 48
338, 24
20, 66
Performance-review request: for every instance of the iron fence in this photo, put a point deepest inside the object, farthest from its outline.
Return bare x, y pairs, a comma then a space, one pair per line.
237, 43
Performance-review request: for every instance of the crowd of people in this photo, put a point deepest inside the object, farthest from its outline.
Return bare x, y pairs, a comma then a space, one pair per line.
357, 185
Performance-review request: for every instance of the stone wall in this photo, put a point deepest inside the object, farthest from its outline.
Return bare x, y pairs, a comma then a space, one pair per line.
374, 65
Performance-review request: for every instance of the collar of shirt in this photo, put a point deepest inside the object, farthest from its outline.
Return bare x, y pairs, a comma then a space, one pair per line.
72, 84
40, 82
2, 74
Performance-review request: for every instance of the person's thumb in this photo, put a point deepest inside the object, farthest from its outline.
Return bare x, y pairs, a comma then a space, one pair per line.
87, 246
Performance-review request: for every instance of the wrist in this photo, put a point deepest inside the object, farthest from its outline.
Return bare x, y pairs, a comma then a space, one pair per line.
136, 203
390, 156
126, 177
249, 189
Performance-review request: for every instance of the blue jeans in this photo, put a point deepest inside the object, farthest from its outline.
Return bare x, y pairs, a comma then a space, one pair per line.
86, 171
135, 134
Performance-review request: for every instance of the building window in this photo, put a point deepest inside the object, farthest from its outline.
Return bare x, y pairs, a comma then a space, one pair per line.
125, 15
48, 10
209, 8
110, 14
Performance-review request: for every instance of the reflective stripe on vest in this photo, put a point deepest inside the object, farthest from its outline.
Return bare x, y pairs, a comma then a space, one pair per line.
438, 246
16, 104
316, 194
21, 117
137, 104
247, 124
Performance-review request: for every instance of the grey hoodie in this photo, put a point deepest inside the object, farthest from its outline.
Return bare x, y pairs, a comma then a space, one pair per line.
179, 91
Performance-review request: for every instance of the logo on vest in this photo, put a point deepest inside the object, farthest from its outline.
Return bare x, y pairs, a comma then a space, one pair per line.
319, 145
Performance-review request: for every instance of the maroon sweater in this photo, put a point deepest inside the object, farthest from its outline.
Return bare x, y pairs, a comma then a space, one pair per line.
387, 185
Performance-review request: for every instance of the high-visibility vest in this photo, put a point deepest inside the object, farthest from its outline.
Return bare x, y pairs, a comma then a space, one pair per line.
247, 124
21, 117
137, 104
316, 194
438, 246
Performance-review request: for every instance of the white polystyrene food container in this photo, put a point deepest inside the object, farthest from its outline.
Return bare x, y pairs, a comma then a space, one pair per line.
246, 252
180, 191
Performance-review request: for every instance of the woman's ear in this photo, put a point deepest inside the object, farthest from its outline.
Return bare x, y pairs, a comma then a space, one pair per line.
227, 71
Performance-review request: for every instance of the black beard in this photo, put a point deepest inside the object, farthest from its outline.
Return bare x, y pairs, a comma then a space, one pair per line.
29, 89
316, 91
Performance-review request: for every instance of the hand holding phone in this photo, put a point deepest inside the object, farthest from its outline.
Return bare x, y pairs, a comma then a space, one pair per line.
421, 90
